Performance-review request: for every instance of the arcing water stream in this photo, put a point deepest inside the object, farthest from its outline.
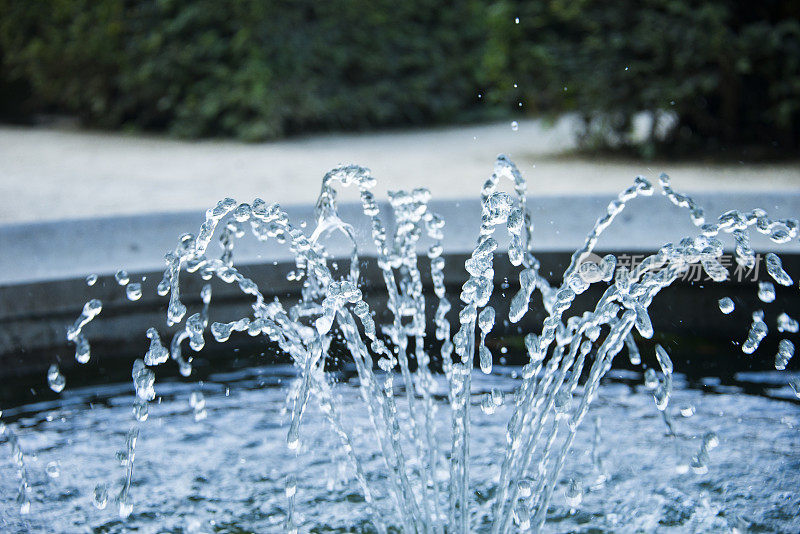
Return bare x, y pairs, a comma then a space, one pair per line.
421, 456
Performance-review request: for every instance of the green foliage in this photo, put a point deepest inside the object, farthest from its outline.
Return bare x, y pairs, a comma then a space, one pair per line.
729, 72
716, 72
250, 69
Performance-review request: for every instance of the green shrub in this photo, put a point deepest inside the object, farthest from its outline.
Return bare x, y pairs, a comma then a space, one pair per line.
727, 73
716, 73
250, 69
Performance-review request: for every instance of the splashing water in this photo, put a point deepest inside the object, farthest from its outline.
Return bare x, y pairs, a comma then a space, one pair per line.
75, 332
787, 324
726, 305
425, 482
55, 379
785, 353
122, 277
758, 331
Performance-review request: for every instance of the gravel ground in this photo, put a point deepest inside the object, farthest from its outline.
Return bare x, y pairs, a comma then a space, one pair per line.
49, 174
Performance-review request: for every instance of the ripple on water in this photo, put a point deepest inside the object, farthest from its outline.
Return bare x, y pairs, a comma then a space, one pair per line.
229, 470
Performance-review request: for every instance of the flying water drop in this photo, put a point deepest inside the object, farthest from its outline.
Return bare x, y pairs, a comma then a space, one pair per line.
53, 469
74, 333
522, 516
291, 486
787, 324
157, 353
574, 493
134, 291
488, 406
485, 359
24, 503
125, 509
766, 292
775, 270
198, 403
55, 379
758, 331
143, 381
785, 353
726, 305
140, 410
650, 378
122, 277
100, 496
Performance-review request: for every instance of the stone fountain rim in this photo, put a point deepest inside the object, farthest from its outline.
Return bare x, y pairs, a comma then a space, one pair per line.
63, 250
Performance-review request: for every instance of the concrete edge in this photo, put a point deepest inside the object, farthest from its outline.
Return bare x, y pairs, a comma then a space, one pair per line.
48, 251
43, 266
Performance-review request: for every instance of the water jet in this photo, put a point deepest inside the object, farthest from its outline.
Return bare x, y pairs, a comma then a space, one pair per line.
418, 397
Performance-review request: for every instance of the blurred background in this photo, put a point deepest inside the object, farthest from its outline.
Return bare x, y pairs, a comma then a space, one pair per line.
424, 92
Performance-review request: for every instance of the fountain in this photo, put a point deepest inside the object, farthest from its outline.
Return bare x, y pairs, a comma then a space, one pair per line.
381, 416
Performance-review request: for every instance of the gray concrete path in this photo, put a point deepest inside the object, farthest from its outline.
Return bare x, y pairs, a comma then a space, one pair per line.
49, 174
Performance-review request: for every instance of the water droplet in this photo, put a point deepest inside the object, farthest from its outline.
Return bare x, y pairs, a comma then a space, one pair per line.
163, 287
198, 403
134, 291
485, 359
55, 379
157, 353
486, 319
699, 463
125, 509
787, 324
766, 292
143, 381
140, 410
574, 493
122, 277
522, 516
488, 406
785, 353
514, 125
758, 331
525, 488
650, 378
710, 441
100, 496
53, 470
775, 270
91, 280
291, 486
